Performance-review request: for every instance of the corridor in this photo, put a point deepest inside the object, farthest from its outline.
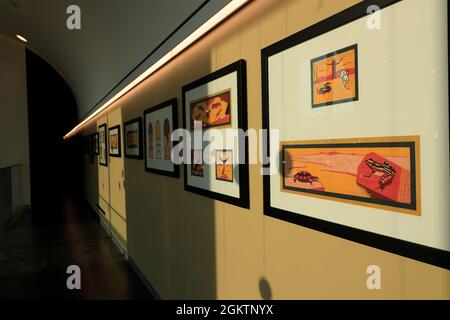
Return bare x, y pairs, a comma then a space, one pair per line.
35, 251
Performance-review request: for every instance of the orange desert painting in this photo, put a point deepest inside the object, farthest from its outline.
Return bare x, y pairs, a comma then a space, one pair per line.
335, 77
380, 173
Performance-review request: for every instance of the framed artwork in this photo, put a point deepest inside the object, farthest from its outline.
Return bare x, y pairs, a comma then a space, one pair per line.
224, 165
334, 77
114, 142
213, 110
197, 168
354, 154
159, 123
217, 104
133, 138
102, 145
95, 141
381, 173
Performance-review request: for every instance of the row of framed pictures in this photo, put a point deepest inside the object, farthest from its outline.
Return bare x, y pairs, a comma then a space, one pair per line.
343, 164
217, 101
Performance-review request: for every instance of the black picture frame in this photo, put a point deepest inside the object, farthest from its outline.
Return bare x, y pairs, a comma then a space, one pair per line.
105, 130
95, 143
244, 191
119, 142
173, 104
430, 255
137, 120
330, 103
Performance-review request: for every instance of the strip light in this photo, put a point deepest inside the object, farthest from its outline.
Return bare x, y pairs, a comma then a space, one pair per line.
21, 38
220, 16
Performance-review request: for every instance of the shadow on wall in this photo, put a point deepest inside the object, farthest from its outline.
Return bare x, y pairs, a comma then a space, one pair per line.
171, 232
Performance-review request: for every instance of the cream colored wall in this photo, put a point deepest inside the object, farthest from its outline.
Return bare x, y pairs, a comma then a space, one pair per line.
189, 246
14, 117
116, 183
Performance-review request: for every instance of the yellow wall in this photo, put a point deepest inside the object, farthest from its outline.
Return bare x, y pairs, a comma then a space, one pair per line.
189, 246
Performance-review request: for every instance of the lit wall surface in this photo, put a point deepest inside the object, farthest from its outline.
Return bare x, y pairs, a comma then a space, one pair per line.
189, 246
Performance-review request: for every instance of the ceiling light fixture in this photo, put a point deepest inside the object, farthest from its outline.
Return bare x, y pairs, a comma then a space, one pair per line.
220, 16
21, 38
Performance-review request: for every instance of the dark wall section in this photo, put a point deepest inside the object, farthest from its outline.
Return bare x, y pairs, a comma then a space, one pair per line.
54, 164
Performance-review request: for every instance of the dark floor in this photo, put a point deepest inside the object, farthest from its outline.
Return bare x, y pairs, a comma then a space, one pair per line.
37, 248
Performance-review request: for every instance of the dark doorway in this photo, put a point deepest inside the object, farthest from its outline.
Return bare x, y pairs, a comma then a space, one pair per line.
52, 112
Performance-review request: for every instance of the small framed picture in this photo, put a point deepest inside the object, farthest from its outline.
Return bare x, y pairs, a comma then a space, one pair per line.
334, 77
114, 141
224, 165
95, 141
102, 145
197, 168
133, 138
159, 123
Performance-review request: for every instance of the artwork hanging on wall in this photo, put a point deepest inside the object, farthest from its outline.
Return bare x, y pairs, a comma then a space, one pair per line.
217, 105
102, 145
159, 123
379, 173
197, 168
133, 138
354, 155
224, 165
114, 142
213, 110
334, 77
96, 148
91, 149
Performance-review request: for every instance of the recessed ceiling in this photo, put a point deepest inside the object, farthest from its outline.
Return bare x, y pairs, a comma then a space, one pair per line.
115, 36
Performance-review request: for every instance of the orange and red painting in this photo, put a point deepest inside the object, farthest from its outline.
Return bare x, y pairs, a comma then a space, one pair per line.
197, 167
224, 165
335, 77
212, 111
376, 171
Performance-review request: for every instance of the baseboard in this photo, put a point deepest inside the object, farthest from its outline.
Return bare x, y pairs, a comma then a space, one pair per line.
141, 276
119, 244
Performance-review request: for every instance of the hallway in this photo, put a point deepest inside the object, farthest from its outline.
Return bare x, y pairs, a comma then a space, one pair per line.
35, 252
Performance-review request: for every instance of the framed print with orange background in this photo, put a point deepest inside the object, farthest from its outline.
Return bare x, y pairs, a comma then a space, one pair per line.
115, 142
356, 153
133, 138
334, 77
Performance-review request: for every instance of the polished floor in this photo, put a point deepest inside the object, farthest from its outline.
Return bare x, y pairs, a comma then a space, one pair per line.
37, 248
